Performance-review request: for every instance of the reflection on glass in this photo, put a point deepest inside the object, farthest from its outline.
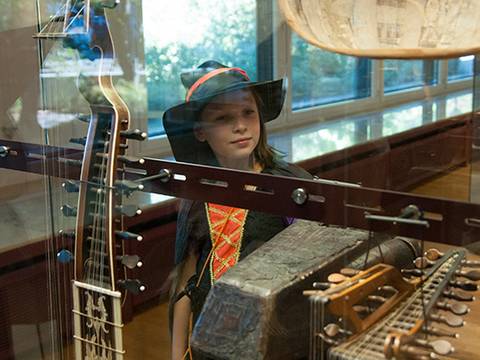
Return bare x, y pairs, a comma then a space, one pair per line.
309, 144
402, 120
315, 140
406, 74
182, 34
460, 68
458, 105
321, 77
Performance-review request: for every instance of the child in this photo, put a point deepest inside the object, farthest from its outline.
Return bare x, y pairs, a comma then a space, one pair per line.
221, 123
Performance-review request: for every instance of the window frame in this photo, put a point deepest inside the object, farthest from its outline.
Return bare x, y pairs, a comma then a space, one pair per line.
281, 67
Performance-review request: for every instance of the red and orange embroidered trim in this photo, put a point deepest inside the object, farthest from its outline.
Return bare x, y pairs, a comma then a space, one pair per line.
226, 232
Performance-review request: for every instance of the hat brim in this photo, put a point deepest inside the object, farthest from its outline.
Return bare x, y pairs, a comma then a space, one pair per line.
179, 120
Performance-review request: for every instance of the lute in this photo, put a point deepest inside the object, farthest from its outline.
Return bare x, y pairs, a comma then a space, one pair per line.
99, 261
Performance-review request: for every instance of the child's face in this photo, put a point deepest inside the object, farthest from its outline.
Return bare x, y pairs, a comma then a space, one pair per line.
230, 124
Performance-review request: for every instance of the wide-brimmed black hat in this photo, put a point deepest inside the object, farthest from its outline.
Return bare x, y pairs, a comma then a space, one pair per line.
211, 79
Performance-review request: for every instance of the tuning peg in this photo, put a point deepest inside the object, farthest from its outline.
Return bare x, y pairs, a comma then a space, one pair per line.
321, 285
67, 234
71, 186
110, 4
332, 330
458, 295
412, 272
134, 134
471, 263
4, 151
464, 284
449, 319
376, 298
422, 262
417, 353
470, 274
131, 160
81, 140
69, 211
130, 261
71, 162
431, 330
132, 285
387, 288
362, 309
128, 210
126, 235
440, 346
455, 307
64, 256
84, 118
123, 158
349, 272
433, 254
128, 186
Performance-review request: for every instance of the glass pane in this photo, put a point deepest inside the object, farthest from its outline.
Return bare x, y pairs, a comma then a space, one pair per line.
419, 146
180, 35
408, 74
321, 77
460, 68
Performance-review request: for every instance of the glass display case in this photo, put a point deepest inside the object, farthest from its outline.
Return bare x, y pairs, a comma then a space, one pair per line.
113, 189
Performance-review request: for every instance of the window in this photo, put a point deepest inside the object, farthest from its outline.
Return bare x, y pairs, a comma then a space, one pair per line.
407, 74
182, 34
321, 77
460, 68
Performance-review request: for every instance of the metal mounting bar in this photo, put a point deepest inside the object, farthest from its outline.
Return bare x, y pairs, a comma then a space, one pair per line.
395, 219
327, 203
334, 204
42, 159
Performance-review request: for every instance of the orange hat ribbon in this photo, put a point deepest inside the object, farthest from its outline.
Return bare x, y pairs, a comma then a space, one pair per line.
209, 76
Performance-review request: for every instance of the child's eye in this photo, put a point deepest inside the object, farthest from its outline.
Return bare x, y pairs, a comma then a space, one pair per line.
221, 118
249, 111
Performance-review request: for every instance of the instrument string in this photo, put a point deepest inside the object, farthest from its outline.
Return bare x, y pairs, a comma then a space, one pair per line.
48, 204
58, 241
313, 329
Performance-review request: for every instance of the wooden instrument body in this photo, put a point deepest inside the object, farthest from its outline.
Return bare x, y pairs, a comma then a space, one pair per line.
257, 310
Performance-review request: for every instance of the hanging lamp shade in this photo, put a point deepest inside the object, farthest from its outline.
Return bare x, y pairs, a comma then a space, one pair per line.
395, 29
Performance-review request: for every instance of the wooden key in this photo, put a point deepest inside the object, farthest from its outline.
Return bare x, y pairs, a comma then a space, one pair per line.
455, 307
333, 330
432, 330
433, 254
458, 295
470, 274
377, 299
417, 353
422, 262
464, 284
362, 309
387, 288
449, 319
349, 272
412, 272
440, 346
471, 263
336, 278
321, 285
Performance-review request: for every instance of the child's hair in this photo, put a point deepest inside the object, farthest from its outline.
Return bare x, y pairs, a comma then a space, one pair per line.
264, 153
